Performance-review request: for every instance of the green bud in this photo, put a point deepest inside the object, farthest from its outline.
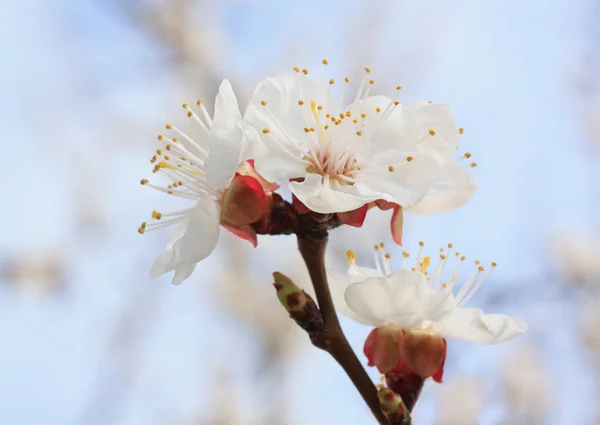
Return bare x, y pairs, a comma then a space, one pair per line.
391, 403
291, 297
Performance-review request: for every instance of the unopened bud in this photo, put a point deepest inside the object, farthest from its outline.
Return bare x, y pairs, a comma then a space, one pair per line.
291, 297
299, 304
391, 404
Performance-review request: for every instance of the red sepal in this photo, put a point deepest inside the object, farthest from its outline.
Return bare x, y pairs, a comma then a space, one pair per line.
396, 224
355, 217
246, 232
244, 202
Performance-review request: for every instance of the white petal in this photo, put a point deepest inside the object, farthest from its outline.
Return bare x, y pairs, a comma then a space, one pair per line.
167, 261
461, 190
470, 324
327, 198
226, 151
391, 133
202, 232
338, 283
408, 128
275, 160
437, 117
403, 298
182, 272
282, 94
408, 184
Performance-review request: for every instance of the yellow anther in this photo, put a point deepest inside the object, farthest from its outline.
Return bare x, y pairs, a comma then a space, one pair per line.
320, 108
388, 256
144, 181
158, 152
444, 285
473, 164
363, 116
325, 62
331, 81
371, 82
429, 101
405, 254
398, 87
355, 121
168, 147
347, 80
306, 129
199, 102
376, 247
350, 256
467, 155
348, 114
391, 168
296, 69
168, 126
450, 245
494, 264
175, 139
153, 159
156, 215
481, 268
421, 243
266, 130
477, 262
301, 102
326, 127
461, 130
141, 230
311, 130
164, 164
180, 183
359, 133
185, 106
327, 115
156, 168
367, 69
425, 264
378, 109
463, 258
167, 157
381, 245
442, 257
342, 116
190, 114
160, 137
305, 71
396, 103
413, 269
409, 158
263, 102
432, 132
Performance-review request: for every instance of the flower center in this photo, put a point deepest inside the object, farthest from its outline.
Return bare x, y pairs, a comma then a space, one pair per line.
435, 278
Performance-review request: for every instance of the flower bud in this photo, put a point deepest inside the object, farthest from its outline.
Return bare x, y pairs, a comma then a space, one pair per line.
291, 297
299, 304
391, 404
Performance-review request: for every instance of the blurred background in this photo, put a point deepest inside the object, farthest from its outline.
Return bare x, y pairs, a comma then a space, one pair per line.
89, 339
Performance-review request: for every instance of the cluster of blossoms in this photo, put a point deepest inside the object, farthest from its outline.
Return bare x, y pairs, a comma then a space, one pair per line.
339, 157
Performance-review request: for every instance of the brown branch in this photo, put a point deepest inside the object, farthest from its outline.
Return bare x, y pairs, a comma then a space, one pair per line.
332, 339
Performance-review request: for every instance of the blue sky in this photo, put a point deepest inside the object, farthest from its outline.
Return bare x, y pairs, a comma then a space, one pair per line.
75, 69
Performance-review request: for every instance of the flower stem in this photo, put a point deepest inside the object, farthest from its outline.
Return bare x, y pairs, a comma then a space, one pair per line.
332, 339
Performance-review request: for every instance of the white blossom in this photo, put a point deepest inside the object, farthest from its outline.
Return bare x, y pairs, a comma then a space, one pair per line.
417, 298
340, 158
